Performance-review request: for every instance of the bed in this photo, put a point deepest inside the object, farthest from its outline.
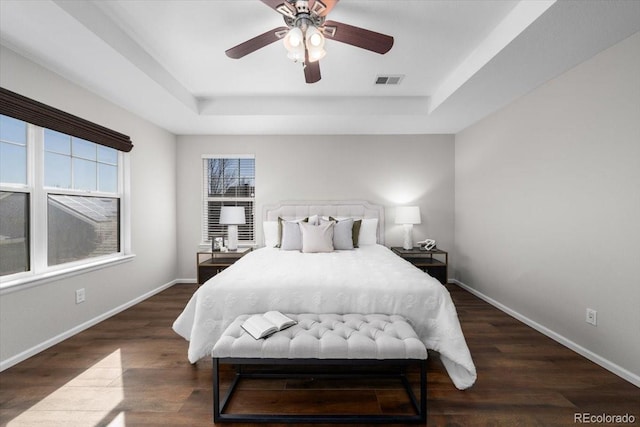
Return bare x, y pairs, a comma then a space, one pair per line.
369, 279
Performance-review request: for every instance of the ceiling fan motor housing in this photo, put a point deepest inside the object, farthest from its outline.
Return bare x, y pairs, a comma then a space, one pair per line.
301, 16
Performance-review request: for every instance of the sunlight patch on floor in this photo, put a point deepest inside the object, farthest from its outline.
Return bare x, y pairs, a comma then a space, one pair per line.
89, 399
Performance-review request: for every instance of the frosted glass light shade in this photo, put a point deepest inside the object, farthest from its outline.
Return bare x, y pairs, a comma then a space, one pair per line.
294, 43
316, 54
293, 39
314, 38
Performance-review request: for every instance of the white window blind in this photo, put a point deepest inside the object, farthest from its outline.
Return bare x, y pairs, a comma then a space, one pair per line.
228, 181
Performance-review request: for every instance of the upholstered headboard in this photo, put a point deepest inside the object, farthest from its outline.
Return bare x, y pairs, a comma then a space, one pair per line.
357, 209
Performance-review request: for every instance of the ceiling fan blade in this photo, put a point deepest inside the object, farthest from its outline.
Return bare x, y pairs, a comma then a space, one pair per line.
255, 43
273, 4
311, 70
283, 7
324, 8
359, 37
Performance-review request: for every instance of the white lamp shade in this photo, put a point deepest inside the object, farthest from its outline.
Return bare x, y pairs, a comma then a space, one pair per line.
232, 215
408, 215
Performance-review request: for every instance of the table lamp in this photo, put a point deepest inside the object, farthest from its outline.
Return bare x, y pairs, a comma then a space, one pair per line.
232, 216
407, 216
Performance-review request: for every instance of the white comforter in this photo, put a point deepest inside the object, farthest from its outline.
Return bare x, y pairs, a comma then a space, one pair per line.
370, 279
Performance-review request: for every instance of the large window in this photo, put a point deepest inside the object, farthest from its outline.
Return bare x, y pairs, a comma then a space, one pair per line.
228, 181
60, 201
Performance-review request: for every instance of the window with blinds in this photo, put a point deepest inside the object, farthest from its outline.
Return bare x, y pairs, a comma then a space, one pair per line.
228, 181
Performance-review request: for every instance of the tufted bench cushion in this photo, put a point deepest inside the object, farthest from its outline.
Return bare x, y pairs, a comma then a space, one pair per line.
327, 336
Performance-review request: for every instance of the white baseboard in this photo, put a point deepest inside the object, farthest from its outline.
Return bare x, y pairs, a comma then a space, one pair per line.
5, 364
605, 363
186, 281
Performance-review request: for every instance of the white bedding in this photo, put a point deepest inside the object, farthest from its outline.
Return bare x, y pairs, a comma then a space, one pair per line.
370, 279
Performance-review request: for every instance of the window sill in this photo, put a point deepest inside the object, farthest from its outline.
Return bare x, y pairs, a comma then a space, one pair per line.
30, 281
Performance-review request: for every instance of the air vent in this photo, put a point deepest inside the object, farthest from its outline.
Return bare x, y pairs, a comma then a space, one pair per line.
394, 79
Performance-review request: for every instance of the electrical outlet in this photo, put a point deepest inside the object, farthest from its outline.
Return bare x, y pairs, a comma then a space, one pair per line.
80, 296
592, 317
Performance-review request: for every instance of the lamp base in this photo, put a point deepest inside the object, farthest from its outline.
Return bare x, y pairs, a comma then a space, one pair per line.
408, 238
233, 237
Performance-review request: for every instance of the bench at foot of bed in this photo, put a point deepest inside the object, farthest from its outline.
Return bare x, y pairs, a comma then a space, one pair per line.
328, 341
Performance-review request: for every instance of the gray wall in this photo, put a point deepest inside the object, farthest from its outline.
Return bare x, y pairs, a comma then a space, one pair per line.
38, 316
386, 170
547, 215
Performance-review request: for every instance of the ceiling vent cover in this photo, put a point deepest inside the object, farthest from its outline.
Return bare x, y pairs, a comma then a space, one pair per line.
393, 79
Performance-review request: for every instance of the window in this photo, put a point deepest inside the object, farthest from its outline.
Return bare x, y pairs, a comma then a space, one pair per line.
14, 197
95, 223
14, 232
61, 195
13, 151
78, 164
228, 181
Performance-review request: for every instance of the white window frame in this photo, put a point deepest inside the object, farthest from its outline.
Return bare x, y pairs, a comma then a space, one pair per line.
205, 241
40, 272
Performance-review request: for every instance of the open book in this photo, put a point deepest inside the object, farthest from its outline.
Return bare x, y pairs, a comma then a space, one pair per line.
263, 325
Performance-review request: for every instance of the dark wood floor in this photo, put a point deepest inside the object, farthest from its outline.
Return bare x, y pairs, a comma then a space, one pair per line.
131, 370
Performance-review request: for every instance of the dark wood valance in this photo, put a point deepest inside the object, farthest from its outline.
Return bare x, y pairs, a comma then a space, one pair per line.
23, 108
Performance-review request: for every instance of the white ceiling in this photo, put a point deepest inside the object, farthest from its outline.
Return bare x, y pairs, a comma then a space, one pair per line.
164, 60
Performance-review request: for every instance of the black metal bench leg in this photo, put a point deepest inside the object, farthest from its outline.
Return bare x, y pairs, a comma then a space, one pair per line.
423, 389
216, 390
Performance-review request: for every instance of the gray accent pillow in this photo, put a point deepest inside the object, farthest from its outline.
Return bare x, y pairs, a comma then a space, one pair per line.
280, 221
291, 237
343, 235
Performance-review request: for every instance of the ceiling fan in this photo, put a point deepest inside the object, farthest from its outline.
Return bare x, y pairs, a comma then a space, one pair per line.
305, 33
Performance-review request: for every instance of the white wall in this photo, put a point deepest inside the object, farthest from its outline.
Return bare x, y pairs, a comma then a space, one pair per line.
42, 314
386, 170
547, 206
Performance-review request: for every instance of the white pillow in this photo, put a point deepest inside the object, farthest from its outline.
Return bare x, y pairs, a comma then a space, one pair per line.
368, 232
270, 230
317, 238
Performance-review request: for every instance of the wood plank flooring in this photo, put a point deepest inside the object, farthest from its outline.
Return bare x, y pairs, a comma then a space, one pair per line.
132, 370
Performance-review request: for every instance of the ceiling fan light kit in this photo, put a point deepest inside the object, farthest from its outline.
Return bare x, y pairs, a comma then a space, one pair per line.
313, 42
305, 34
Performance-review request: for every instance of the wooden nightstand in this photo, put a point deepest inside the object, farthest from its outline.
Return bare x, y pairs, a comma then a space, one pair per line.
211, 263
425, 261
